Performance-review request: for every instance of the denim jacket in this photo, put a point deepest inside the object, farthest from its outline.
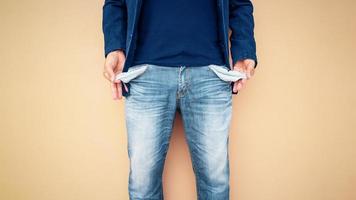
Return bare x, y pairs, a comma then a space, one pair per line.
120, 19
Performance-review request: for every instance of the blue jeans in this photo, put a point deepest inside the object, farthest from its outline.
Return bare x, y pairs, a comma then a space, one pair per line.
204, 101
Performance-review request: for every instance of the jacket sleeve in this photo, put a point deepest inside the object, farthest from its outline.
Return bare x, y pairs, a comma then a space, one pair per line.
114, 23
241, 23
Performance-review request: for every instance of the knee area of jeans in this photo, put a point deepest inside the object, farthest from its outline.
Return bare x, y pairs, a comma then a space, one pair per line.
148, 160
142, 190
144, 182
218, 179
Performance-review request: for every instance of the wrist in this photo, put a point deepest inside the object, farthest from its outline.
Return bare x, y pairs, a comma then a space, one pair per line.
117, 52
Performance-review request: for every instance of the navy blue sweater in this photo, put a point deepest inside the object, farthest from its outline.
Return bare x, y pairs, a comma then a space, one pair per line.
178, 32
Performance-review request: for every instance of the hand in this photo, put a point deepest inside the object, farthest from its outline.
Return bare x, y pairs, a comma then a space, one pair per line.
114, 64
247, 66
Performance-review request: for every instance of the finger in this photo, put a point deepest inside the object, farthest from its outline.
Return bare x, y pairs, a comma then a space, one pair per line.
248, 74
238, 67
125, 87
109, 73
118, 70
117, 80
245, 68
250, 70
240, 84
243, 83
114, 91
119, 90
234, 89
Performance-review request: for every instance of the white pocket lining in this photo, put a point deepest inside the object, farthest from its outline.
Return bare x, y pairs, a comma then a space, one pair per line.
227, 75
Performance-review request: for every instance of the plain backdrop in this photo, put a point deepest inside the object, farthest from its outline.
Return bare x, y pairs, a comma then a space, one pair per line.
293, 131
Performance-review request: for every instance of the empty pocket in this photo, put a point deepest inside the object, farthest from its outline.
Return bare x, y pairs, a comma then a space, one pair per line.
227, 75
131, 73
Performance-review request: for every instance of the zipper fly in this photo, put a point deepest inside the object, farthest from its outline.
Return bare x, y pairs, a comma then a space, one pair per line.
181, 82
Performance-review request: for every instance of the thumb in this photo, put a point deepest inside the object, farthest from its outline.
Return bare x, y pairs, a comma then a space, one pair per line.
111, 74
118, 69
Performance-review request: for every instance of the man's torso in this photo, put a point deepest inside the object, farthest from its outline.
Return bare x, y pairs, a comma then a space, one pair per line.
178, 33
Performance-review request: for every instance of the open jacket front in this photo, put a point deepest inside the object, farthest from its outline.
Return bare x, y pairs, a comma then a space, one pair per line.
120, 19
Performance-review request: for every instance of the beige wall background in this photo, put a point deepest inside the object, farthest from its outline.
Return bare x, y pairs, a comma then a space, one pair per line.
62, 137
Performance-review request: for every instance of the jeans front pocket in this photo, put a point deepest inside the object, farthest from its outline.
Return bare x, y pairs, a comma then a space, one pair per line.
226, 74
132, 72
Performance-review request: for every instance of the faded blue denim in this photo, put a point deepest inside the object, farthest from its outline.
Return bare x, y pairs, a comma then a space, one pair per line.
204, 101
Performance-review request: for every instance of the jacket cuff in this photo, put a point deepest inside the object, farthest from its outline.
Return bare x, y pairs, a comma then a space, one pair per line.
112, 46
242, 49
